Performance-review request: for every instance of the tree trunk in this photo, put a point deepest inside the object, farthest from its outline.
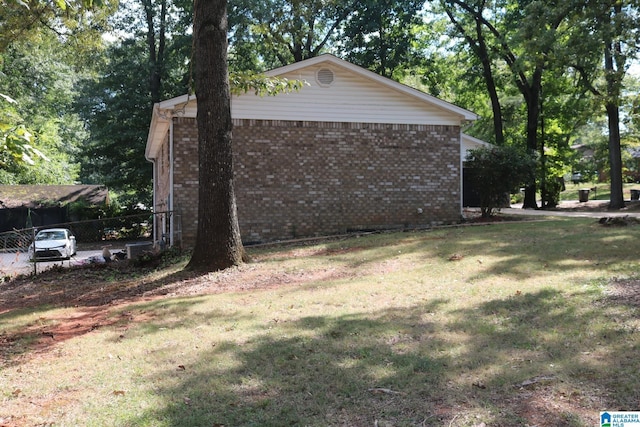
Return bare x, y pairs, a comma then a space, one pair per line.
532, 98
487, 72
616, 199
481, 50
156, 53
218, 244
614, 64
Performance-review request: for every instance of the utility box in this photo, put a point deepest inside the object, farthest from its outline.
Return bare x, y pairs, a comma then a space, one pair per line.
134, 250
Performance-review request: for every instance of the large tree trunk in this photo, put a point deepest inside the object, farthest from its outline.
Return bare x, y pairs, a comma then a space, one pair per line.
218, 244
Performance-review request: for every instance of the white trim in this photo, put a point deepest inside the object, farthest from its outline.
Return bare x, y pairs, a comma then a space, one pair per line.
474, 140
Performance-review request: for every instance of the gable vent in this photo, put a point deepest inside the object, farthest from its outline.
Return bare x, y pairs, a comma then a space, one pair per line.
325, 77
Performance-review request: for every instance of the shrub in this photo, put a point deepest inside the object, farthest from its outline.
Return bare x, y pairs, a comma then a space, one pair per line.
499, 171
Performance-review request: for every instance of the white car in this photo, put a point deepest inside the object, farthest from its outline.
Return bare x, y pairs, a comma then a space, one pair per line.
53, 243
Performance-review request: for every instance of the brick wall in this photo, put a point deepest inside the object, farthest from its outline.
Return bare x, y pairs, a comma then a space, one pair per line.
185, 177
297, 179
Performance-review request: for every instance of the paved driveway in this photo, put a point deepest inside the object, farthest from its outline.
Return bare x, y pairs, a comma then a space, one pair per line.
16, 263
590, 209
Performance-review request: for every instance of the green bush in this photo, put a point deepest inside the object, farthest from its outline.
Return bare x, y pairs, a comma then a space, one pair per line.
499, 171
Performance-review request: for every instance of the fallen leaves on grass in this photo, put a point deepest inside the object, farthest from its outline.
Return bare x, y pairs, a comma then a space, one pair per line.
619, 221
536, 380
384, 390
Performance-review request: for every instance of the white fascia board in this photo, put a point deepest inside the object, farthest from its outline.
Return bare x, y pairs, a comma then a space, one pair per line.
157, 129
161, 117
170, 104
474, 140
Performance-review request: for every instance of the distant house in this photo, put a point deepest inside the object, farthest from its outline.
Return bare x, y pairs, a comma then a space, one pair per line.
351, 151
23, 206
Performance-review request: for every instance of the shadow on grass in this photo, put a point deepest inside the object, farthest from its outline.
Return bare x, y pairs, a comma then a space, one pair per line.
519, 250
502, 363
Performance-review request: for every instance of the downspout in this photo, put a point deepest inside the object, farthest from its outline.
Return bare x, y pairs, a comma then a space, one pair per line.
154, 175
464, 125
170, 207
154, 204
461, 145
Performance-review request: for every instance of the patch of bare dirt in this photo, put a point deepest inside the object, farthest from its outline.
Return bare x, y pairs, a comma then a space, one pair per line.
542, 406
93, 292
624, 292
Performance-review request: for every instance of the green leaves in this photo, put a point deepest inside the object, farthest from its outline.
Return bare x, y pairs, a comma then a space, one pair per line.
15, 140
15, 143
244, 81
86, 4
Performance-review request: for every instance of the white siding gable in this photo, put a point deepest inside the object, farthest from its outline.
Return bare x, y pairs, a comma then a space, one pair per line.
350, 97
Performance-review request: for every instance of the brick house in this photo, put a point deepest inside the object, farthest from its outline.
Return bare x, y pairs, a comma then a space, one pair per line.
350, 151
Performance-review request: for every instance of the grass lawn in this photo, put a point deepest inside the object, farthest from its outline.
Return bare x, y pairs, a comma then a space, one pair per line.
508, 324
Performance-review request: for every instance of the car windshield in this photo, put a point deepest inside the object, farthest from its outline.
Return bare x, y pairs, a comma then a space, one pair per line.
51, 235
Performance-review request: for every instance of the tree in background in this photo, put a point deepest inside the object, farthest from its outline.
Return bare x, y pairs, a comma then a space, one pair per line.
41, 78
148, 61
116, 107
531, 42
609, 28
23, 20
42, 50
380, 35
375, 34
279, 32
470, 27
15, 141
